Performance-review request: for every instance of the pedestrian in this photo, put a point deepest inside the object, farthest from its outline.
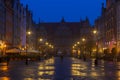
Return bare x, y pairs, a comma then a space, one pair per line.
96, 62
8, 60
84, 58
61, 56
26, 61
0, 59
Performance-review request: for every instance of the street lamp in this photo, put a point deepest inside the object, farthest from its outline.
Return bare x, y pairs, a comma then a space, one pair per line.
28, 33
46, 43
95, 34
78, 42
75, 45
41, 39
94, 31
83, 40
52, 46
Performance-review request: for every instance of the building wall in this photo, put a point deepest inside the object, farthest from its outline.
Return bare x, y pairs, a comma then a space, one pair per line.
2, 20
64, 34
9, 22
99, 25
118, 25
16, 19
109, 19
23, 27
30, 27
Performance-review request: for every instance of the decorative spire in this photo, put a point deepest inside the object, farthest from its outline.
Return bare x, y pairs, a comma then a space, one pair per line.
27, 7
87, 18
63, 20
80, 19
103, 9
39, 20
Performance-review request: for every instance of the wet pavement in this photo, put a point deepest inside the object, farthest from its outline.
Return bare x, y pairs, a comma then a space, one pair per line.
58, 69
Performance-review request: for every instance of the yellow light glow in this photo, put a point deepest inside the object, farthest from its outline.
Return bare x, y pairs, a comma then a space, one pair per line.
3, 45
75, 45
50, 45
100, 50
83, 39
4, 68
28, 79
104, 48
41, 39
74, 51
94, 50
94, 74
78, 42
94, 31
29, 33
46, 43
49, 68
4, 78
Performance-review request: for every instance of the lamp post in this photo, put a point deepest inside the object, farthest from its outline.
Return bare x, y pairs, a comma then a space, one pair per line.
83, 40
28, 33
95, 35
40, 44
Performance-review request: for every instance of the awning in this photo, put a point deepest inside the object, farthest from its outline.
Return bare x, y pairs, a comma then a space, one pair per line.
30, 51
13, 50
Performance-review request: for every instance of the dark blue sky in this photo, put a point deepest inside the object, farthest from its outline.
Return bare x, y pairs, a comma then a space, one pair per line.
71, 10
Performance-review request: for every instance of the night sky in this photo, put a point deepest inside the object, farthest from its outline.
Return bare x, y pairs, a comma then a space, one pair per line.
71, 10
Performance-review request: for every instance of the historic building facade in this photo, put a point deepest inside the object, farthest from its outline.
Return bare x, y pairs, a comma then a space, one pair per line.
108, 25
64, 34
30, 26
2, 20
15, 20
9, 22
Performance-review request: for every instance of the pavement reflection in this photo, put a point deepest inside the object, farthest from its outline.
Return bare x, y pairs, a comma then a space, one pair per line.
57, 69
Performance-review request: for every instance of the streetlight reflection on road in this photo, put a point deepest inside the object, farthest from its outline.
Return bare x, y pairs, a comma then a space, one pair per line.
4, 78
4, 67
46, 70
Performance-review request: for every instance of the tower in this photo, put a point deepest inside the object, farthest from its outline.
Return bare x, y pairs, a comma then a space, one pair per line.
103, 8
